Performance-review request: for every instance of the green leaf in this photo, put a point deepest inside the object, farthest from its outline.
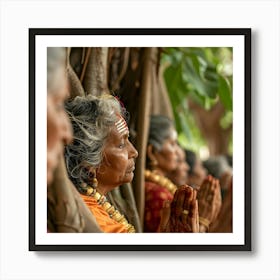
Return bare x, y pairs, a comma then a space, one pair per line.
226, 120
183, 123
225, 93
198, 73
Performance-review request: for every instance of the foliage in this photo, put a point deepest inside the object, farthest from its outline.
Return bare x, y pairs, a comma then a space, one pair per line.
203, 74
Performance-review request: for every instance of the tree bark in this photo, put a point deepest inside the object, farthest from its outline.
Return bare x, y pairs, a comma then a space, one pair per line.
143, 120
209, 124
67, 212
161, 104
95, 81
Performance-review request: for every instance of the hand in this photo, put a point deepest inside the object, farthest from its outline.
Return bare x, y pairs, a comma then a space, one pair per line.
223, 223
180, 215
209, 202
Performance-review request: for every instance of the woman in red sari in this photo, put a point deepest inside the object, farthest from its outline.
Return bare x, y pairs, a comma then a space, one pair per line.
162, 158
165, 163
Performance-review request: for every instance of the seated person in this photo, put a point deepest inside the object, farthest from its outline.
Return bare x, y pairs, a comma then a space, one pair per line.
209, 193
101, 158
161, 160
223, 222
219, 168
179, 175
196, 172
66, 210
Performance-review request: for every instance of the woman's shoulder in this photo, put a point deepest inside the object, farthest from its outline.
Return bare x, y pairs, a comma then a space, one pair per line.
156, 190
152, 186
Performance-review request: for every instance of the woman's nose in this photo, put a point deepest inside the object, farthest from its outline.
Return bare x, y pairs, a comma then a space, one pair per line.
67, 131
134, 153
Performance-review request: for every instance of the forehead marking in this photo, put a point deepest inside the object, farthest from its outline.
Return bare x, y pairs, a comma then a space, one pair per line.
121, 125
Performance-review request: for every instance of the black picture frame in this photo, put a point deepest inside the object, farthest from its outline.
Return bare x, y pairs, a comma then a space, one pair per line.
33, 165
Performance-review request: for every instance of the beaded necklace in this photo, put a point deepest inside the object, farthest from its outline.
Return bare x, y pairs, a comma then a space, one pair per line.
110, 209
163, 181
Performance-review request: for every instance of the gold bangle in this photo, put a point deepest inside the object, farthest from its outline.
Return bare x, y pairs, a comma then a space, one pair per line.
204, 222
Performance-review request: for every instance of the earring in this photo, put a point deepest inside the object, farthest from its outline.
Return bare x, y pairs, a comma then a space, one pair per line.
94, 182
153, 164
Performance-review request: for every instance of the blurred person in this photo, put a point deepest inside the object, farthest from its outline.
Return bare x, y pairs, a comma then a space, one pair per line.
223, 223
161, 160
209, 202
209, 190
196, 172
219, 168
179, 175
59, 132
66, 211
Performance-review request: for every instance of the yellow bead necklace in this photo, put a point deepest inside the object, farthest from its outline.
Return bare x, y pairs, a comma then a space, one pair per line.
161, 180
110, 209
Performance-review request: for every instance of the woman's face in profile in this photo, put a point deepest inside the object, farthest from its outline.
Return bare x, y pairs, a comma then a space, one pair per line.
118, 164
180, 174
199, 173
59, 131
167, 157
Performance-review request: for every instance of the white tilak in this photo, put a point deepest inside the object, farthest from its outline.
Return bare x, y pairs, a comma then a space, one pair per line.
121, 126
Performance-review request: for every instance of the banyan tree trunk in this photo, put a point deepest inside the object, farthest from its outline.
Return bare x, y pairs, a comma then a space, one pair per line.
95, 80
143, 119
76, 88
160, 104
134, 76
209, 124
66, 210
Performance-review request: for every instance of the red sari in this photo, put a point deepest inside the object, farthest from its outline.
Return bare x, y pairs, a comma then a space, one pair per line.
155, 195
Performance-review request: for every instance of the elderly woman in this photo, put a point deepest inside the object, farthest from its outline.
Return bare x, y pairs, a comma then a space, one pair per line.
179, 176
209, 194
219, 167
102, 158
59, 130
162, 159
66, 210
196, 172
167, 171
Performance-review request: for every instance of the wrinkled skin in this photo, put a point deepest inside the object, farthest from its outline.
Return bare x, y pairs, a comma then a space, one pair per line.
59, 130
167, 157
118, 164
172, 217
209, 200
198, 175
179, 176
223, 223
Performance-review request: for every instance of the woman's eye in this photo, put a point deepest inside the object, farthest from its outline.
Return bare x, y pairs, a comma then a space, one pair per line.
121, 145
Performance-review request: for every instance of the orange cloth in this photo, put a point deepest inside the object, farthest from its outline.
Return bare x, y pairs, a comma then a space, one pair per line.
106, 223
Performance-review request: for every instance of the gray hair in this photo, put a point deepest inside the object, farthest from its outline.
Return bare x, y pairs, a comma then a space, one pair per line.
160, 129
217, 166
56, 66
92, 119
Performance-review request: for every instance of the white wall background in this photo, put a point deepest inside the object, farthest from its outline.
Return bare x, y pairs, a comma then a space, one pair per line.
16, 262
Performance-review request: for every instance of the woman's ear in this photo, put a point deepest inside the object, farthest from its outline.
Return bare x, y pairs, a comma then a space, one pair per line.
89, 170
152, 157
150, 152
